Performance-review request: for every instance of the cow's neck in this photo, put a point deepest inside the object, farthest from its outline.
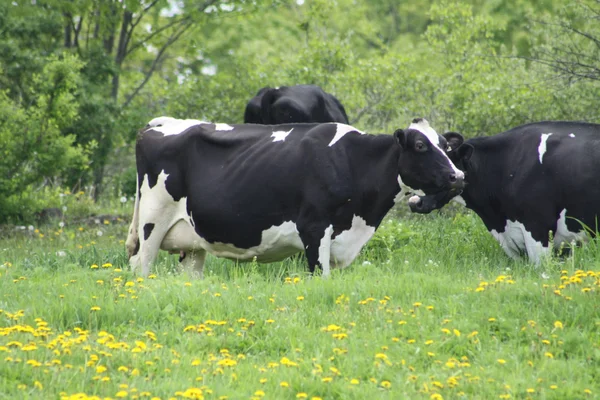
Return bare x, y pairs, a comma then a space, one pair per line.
379, 175
483, 191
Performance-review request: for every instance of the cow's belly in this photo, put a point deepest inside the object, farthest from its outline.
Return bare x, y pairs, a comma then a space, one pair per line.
517, 240
277, 243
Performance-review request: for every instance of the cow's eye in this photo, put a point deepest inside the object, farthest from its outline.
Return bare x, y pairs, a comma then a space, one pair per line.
420, 146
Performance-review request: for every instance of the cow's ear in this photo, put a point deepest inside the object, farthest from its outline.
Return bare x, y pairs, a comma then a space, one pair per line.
465, 151
400, 136
454, 140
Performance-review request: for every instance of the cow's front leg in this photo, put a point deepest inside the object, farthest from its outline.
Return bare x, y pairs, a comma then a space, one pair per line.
317, 246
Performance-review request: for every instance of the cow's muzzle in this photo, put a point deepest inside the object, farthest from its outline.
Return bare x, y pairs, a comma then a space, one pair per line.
429, 202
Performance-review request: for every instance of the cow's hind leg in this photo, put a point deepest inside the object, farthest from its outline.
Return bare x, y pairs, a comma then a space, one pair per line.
151, 236
193, 263
317, 246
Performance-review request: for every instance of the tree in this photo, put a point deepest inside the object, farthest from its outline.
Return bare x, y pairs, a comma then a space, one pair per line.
569, 42
34, 150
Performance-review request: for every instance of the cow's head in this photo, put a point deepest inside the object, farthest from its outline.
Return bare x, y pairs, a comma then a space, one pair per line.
424, 167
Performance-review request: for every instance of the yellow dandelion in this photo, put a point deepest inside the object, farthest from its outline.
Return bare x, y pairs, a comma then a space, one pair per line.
94, 266
386, 384
301, 395
354, 381
501, 361
284, 384
548, 354
300, 298
530, 390
553, 387
95, 308
121, 393
558, 325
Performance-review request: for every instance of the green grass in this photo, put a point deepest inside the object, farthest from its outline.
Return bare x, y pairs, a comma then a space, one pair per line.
432, 308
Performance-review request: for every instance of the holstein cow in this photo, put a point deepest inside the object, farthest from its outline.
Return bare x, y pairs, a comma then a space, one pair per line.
531, 180
245, 191
290, 104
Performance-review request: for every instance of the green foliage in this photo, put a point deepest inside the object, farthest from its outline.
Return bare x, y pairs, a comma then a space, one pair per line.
34, 151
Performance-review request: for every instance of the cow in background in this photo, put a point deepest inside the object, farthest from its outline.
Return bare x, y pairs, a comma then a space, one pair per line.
294, 104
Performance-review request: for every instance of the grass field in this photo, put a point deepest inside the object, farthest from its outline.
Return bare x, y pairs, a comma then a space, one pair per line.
431, 309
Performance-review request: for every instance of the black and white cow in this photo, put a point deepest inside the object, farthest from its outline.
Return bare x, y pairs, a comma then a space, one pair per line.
245, 191
291, 104
531, 180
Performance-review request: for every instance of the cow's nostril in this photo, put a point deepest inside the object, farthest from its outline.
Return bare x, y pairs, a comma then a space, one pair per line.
453, 178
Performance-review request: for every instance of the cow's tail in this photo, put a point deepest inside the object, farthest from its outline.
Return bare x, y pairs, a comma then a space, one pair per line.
266, 105
133, 240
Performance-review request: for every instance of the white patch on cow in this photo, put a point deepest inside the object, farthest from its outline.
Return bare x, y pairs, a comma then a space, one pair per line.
156, 206
341, 130
564, 235
459, 200
170, 126
571, 135
542, 146
325, 251
279, 136
433, 137
346, 246
277, 242
223, 127
159, 121
516, 239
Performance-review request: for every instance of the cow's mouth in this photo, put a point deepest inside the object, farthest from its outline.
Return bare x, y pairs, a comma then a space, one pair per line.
429, 202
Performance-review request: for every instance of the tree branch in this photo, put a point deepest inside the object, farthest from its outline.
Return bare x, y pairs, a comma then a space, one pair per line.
174, 37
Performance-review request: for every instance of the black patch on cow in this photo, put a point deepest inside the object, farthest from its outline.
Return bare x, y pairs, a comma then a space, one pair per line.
148, 230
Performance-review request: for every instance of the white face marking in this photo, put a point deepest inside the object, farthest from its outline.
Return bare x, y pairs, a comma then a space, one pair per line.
342, 129
171, 126
542, 146
516, 240
346, 246
571, 135
424, 127
279, 136
223, 127
564, 235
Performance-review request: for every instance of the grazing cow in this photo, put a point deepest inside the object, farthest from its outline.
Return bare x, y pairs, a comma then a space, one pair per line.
531, 180
246, 191
291, 104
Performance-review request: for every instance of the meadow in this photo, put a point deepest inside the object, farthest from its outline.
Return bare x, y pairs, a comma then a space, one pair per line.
431, 309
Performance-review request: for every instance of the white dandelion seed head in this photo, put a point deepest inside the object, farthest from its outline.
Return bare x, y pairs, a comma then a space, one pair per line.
64, 208
61, 224
61, 253
123, 199
30, 227
99, 233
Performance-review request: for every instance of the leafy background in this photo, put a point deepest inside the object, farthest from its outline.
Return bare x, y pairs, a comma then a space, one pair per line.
79, 78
